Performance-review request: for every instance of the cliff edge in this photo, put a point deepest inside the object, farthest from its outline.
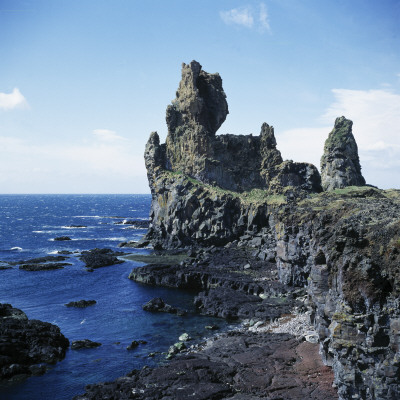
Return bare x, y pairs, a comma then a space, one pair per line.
342, 244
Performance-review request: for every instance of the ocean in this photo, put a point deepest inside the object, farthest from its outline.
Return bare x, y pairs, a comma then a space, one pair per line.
28, 226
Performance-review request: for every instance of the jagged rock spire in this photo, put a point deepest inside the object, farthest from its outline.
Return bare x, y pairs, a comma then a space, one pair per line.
340, 164
200, 100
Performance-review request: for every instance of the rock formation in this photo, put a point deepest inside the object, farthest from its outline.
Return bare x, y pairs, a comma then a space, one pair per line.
232, 162
340, 165
258, 225
26, 346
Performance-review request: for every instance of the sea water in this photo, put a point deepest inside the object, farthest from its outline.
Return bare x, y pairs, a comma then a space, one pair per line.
28, 226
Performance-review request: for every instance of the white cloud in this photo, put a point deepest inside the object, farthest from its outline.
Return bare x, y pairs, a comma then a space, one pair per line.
239, 16
15, 99
90, 167
376, 128
264, 22
375, 114
107, 135
248, 17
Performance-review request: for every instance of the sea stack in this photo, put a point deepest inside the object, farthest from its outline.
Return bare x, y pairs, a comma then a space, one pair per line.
340, 164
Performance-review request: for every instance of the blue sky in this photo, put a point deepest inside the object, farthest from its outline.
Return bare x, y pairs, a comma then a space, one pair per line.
82, 84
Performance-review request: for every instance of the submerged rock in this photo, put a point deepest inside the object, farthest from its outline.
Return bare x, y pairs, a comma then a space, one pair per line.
84, 344
340, 164
26, 345
81, 303
62, 238
43, 267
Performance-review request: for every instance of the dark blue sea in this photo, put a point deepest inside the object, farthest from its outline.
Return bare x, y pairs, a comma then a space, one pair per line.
28, 225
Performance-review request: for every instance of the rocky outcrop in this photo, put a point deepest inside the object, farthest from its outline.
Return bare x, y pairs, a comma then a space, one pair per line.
26, 346
340, 164
233, 162
97, 258
158, 305
81, 303
342, 245
84, 344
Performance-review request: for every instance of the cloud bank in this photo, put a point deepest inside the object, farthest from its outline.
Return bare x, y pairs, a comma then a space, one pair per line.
376, 128
96, 165
15, 99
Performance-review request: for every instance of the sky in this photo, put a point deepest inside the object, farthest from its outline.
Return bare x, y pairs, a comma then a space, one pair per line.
84, 83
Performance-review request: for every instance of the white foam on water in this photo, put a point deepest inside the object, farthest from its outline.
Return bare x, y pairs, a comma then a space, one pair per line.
16, 248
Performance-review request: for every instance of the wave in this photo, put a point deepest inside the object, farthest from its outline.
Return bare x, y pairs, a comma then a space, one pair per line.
16, 248
112, 239
75, 227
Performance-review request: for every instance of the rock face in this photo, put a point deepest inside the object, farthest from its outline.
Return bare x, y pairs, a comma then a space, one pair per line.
342, 246
340, 165
27, 345
233, 162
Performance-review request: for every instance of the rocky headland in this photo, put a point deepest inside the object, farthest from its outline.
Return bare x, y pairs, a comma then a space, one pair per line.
264, 238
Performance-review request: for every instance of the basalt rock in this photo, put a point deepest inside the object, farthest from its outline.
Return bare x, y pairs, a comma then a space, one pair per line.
26, 346
233, 162
340, 164
81, 303
97, 258
84, 344
343, 246
237, 366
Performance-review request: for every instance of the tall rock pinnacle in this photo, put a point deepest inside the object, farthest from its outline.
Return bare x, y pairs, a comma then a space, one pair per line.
340, 164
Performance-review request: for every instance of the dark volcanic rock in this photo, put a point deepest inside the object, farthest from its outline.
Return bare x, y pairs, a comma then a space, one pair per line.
26, 344
62, 238
40, 260
43, 267
158, 305
233, 304
84, 344
81, 303
233, 162
340, 165
234, 366
97, 258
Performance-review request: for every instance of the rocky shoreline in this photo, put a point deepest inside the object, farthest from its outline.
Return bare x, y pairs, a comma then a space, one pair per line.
266, 357
329, 236
27, 346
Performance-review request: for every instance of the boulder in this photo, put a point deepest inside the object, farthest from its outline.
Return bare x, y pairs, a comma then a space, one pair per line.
98, 258
158, 305
27, 345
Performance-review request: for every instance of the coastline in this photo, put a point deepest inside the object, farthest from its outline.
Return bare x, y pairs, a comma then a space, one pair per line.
261, 358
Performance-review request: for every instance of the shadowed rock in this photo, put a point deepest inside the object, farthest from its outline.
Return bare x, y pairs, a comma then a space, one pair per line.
26, 344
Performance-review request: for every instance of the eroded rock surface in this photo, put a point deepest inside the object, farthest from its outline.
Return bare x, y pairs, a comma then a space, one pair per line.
342, 245
237, 365
233, 162
340, 164
26, 346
